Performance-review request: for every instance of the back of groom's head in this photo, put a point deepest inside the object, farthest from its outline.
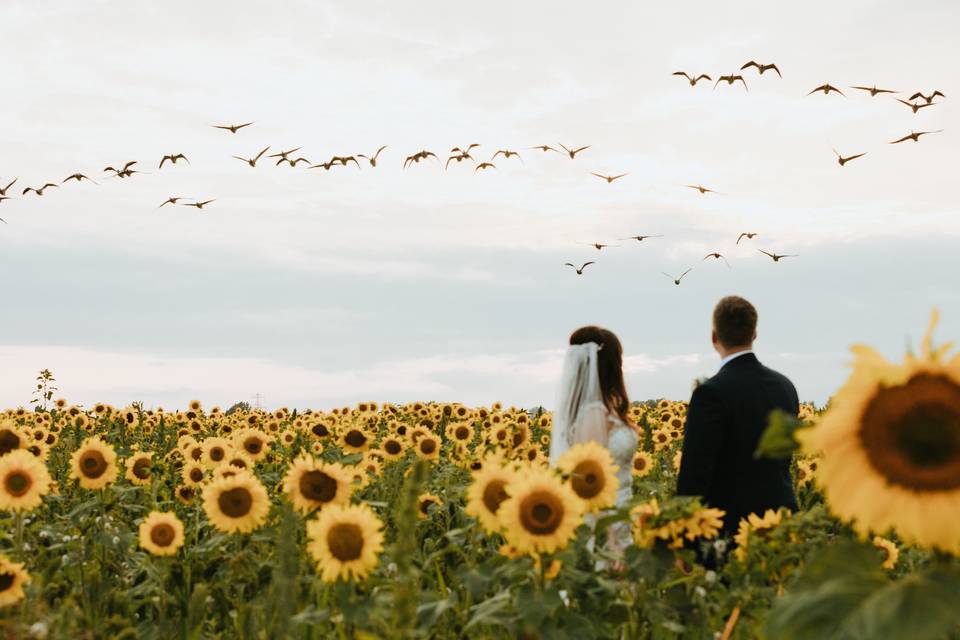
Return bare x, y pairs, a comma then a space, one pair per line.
734, 322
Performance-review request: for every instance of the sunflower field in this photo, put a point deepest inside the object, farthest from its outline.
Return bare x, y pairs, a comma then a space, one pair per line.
438, 520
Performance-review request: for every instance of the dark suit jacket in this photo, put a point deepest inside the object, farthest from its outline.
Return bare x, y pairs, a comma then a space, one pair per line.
728, 413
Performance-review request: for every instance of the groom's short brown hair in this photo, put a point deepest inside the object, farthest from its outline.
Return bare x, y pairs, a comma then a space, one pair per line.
735, 321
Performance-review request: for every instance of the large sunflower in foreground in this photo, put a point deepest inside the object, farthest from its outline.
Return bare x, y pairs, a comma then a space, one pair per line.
24, 480
487, 492
161, 533
591, 474
345, 541
310, 484
12, 578
94, 464
890, 445
237, 503
541, 513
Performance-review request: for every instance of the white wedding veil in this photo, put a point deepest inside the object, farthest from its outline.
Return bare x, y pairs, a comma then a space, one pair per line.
579, 387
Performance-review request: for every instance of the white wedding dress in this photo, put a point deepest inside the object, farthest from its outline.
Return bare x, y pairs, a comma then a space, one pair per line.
581, 415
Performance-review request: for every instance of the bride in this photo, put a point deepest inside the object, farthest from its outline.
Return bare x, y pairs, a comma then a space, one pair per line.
592, 405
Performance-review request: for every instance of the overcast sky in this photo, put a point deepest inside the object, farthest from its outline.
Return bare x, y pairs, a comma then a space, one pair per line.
318, 288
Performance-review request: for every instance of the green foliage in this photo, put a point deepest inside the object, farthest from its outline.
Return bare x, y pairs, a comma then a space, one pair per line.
779, 438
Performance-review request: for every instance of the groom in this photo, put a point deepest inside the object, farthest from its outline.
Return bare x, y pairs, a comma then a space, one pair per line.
727, 415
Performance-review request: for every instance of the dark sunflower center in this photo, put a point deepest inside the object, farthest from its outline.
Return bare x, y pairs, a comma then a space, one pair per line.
93, 464
196, 453
6, 581
518, 438
162, 535
911, 433
318, 486
588, 479
494, 494
345, 541
196, 474
320, 430
541, 513
355, 438
18, 483
532, 455
425, 505
217, 454
639, 463
8, 441
185, 492
428, 446
392, 447
253, 445
141, 468
461, 433
236, 502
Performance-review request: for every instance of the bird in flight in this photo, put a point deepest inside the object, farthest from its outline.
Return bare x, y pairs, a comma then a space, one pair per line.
470, 147
343, 160
761, 67
826, 89
326, 166
418, 156
199, 204
916, 106
459, 157
79, 177
173, 159
507, 154
699, 187
582, 267
372, 159
171, 200
730, 80
253, 161
716, 256
675, 279
748, 236
125, 170
3, 191
232, 128
283, 155
915, 136
639, 238
599, 246
573, 152
842, 161
776, 257
39, 191
873, 91
609, 179
929, 98
484, 165
544, 148
693, 80
295, 161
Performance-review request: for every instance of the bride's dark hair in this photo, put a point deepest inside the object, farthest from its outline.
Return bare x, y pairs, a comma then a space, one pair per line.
609, 365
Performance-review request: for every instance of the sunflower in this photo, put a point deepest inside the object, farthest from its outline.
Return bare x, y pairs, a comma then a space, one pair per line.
24, 480
393, 447
11, 437
192, 474
185, 494
459, 432
642, 464
428, 447
755, 525
488, 491
94, 464
890, 444
161, 533
138, 468
253, 442
345, 541
591, 474
311, 484
533, 455
426, 502
704, 523
12, 578
890, 552
215, 450
238, 503
355, 440
541, 513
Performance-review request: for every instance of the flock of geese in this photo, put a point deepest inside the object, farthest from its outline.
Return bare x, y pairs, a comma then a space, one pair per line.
919, 100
